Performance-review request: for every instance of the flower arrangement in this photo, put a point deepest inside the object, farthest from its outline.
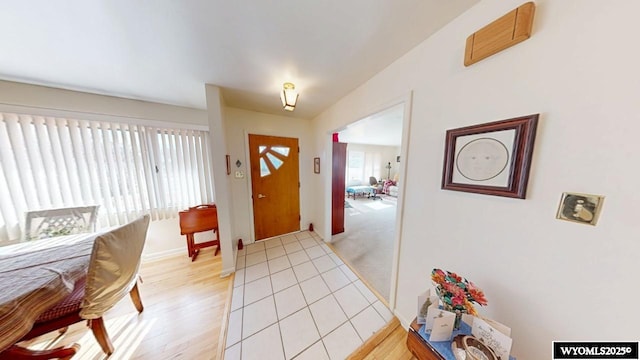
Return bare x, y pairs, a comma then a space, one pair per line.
456, 292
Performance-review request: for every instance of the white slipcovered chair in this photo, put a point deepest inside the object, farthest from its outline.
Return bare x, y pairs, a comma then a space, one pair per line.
112, 274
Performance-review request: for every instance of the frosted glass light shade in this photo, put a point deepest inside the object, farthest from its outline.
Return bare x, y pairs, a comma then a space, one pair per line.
289, 96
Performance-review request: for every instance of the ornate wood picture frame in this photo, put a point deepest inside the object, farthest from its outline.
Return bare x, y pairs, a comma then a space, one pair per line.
316, 165
492, 158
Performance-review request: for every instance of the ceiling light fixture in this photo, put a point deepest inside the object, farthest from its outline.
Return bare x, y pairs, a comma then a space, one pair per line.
289, 96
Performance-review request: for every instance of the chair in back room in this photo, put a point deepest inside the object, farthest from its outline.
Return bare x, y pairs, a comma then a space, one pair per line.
377, 188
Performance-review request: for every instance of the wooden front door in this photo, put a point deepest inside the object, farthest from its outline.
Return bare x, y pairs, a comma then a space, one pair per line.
275, 185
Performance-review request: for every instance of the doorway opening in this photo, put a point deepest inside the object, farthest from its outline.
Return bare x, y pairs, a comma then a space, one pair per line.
372, 178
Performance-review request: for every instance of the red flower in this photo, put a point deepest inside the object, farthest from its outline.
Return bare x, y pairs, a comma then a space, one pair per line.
470, 309
478, 296
454, 276
458, 301
438, 276
456, 292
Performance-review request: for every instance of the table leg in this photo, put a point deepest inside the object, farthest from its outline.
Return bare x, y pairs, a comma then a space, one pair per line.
195, 254
190, 245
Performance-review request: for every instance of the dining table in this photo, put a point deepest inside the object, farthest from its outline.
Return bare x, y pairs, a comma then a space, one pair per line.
35, 276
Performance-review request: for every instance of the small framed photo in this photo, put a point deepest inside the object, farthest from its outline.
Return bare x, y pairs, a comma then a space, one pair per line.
228, 159
580, 208
316, 165
398, 158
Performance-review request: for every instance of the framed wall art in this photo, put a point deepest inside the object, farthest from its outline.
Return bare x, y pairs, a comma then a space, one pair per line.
580, 208
492, 158
316, 165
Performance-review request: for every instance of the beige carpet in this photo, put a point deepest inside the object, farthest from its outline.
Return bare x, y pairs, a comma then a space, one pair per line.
367, 242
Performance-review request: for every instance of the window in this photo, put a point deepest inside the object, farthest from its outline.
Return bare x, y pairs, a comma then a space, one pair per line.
127, 169
270, 157
355, 166
363, 164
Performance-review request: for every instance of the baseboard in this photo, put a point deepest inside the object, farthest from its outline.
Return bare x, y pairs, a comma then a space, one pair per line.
228, 271
374, 340
404, 322
224, 328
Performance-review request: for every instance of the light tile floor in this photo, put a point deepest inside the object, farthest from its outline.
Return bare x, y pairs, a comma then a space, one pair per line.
293, 298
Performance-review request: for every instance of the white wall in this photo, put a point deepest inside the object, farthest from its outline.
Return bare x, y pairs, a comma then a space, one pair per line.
164, 235
240, 123
221, 183
33, 96
547, 279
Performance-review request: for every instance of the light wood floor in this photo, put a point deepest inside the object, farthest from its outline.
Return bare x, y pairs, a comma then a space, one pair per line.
393, 347
184, 306
185, 312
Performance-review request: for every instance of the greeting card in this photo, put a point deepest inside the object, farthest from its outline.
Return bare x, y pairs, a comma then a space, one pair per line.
498, 326
425, 300
433, 311
442, 325
492, 337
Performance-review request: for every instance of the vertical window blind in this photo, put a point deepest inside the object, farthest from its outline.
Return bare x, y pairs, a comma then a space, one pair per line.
363, 164
127, 169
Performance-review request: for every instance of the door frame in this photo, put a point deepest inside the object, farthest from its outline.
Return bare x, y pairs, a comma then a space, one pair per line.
247, 162
406, 100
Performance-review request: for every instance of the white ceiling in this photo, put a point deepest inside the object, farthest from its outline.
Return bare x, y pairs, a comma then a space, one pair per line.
166, 50
383, 128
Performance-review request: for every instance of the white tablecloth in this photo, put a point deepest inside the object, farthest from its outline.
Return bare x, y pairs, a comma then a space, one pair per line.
34, 276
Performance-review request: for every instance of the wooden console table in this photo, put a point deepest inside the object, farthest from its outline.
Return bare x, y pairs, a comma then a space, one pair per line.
418, 346
422, 349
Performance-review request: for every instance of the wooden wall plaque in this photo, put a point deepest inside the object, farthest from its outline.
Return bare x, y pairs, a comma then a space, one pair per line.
510, 29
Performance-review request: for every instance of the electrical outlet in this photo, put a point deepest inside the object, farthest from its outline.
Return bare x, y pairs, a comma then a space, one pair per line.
239, 174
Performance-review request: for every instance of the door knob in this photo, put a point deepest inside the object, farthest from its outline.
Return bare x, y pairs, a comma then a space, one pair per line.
260, 196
